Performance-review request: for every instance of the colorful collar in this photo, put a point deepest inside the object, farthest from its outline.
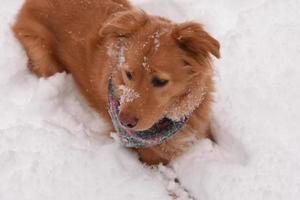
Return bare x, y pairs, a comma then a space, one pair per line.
157, 134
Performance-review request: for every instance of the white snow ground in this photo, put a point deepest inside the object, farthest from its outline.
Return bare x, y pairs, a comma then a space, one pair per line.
52, 144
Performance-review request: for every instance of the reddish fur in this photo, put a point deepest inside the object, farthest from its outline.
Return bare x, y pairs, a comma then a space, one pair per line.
73, 36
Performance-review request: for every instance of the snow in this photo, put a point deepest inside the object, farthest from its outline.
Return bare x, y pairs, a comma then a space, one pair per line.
156, 37
52, 146
145, 64
128, 94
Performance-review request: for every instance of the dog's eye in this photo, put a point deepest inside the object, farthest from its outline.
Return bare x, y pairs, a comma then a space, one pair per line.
186, 63
129, 75
157, 82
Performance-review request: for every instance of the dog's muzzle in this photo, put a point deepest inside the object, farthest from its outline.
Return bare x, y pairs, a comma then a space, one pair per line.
157, 134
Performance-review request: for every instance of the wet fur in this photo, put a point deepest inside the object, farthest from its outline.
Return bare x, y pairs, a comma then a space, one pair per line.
84, 37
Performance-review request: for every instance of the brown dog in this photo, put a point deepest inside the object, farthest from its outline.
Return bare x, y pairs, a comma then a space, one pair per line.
167, 65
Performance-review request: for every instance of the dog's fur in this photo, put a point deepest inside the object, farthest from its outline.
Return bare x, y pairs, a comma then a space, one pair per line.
91, 39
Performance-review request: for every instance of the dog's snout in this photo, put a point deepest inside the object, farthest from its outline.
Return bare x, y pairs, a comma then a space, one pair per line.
128, 120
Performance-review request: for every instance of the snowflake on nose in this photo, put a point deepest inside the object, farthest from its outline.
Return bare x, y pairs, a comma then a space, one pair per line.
128, 94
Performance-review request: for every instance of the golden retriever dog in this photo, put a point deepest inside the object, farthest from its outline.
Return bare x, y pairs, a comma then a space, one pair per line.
155, 68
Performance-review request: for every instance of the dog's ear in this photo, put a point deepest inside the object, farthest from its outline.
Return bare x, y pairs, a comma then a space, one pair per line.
192, 38
123, 24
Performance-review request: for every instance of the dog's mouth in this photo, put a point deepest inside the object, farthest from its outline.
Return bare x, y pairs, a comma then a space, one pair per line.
164, 129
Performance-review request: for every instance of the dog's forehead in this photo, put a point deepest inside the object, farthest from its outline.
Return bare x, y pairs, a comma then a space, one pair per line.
154, 50
167, 58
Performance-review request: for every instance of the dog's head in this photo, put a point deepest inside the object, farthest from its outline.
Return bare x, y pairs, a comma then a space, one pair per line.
157, 65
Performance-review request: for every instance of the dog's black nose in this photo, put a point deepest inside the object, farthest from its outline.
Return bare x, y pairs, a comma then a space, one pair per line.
127, 120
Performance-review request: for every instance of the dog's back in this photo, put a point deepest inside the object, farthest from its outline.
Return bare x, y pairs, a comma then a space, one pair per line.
63, 25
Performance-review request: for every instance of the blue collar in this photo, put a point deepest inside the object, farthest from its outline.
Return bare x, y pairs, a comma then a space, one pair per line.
157, 134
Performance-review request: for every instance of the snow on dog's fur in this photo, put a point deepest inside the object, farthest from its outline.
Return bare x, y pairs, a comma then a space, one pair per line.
167, 64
